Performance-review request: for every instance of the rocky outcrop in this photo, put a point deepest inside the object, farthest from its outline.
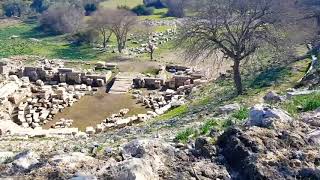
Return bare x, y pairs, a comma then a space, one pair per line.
275, 153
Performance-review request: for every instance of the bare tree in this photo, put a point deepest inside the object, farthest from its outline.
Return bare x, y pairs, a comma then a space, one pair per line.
310, 9
151, 48
237, 28
121, 24
100, 22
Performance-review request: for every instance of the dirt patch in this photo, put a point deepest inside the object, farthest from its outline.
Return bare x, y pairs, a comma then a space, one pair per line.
132, 65
92, 110
8, 22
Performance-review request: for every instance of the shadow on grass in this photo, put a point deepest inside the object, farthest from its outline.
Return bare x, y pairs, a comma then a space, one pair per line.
269, 77
37, 32
75, 52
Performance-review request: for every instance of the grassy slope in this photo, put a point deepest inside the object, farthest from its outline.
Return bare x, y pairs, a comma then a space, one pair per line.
49, 46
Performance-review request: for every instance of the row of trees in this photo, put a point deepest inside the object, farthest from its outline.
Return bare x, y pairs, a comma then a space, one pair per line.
239, 28
67, 18
19, 8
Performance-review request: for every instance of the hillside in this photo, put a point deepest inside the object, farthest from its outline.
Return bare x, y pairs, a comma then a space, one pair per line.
118, 90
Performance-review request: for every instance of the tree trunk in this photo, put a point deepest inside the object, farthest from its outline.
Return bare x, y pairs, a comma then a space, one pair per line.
237, 76
151, 55
104, 41
119, 48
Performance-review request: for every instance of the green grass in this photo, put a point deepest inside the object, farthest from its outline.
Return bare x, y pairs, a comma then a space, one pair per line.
191, 133
208, 125
179, 111
51, 46
48, 46
113, 4
302, 103
185, 135
242, 114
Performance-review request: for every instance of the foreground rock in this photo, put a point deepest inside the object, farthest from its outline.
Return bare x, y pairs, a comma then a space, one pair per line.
153, 159
275, 153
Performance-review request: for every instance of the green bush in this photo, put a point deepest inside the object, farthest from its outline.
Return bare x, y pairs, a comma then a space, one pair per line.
242, 114
142, 10
184, 136
207, 126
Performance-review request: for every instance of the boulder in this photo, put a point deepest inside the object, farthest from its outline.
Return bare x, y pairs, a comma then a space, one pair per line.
25, 160
90, 130
314, 137
273, 97
264, 116
39, 83
143, 160
134, 169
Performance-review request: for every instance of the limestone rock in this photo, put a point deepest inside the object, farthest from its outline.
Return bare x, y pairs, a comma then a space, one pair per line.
90, 130
264, 116
25, 160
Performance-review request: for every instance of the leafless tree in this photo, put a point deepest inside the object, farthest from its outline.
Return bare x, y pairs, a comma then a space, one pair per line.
100, 22
151, 48
310, 9
237, 28
121, 23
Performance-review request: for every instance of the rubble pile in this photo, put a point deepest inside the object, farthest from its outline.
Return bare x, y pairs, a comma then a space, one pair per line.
183, 79
53, 72
47, 101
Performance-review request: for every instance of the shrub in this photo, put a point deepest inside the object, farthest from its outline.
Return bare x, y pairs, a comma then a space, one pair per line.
208, 125
184, 136
61, 19
142, 10
84, 37
90, 8
242, 114
13, 9
157, 4
39, 6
